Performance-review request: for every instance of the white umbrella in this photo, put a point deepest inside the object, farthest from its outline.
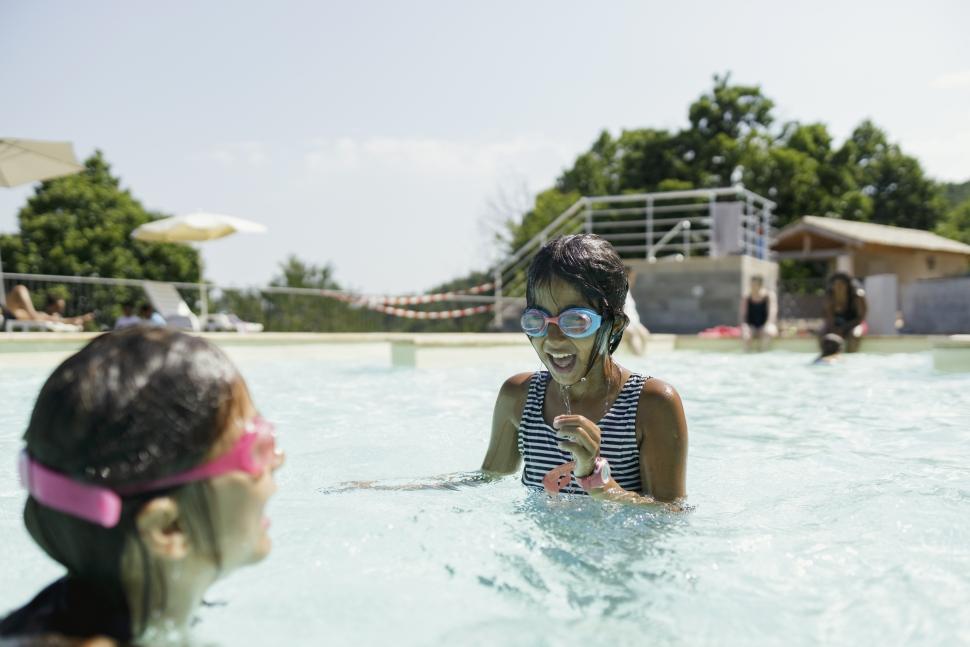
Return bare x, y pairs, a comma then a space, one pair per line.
30, 160
195, 228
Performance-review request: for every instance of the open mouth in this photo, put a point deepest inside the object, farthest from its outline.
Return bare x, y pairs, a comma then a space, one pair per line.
562, 362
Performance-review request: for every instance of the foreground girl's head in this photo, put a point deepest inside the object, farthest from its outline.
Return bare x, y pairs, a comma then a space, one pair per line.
149, 471
581, 280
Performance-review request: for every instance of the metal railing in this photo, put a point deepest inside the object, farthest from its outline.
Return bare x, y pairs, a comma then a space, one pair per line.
651, 226
277, 308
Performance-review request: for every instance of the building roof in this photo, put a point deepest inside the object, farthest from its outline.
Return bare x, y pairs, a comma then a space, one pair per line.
867, 233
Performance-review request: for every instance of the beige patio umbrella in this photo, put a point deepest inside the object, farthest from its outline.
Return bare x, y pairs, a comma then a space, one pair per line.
195, 227
31, 160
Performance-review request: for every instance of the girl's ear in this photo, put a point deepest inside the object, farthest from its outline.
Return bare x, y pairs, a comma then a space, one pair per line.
158, 524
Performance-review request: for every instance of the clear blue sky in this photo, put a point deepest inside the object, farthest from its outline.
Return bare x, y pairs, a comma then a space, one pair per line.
372, 135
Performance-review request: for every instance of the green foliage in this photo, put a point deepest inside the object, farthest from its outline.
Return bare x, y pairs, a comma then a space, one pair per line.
316, 313
732, 136
956, 224
81, 225
549, 204
956, 193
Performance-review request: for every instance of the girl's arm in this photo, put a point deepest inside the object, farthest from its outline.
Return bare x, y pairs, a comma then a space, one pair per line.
501, 459
502, 456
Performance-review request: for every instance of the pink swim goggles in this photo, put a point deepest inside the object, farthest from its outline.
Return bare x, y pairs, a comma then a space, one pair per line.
252, 453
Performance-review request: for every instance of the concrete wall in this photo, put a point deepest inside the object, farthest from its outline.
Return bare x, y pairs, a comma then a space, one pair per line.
937, 306
696, 293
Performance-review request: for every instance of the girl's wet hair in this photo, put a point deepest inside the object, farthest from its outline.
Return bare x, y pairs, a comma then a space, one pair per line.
131, 406
589, 263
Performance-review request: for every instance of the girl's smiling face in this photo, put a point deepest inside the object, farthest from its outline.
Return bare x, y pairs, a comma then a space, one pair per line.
567, 358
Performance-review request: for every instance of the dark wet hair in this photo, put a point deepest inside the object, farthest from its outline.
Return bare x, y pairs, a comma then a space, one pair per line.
849, 281
130, 407
832, 344
589, 263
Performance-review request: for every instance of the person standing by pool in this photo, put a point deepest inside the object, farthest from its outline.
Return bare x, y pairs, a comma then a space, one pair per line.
759, 315
635, 335
637, 451
845, 311
147, 487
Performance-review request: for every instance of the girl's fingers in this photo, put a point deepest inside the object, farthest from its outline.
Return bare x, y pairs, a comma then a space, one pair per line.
581, 430
577, 450
581, 437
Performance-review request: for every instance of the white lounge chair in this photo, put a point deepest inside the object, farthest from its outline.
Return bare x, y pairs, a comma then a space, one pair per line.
228, 322
27, 325
169, 303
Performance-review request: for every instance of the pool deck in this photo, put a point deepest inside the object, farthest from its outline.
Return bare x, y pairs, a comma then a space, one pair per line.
951, 353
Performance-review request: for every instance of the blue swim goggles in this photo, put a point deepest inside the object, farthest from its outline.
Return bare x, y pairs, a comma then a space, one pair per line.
573, 322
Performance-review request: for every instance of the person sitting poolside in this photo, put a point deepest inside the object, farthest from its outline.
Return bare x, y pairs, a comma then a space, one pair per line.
21, 308
56, 307
845, 311
148, 315
128, 317
147, 488
636, 334
758, 313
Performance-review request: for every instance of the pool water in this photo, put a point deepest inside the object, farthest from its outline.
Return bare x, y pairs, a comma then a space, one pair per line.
831, 506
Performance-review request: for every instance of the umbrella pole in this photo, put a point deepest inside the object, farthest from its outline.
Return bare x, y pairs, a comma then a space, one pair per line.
3, 288
203, 297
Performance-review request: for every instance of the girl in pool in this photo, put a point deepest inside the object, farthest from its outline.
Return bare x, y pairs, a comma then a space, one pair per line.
148, 470
586, 425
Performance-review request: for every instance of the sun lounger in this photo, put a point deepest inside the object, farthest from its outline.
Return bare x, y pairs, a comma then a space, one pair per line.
223, 322
167, 301
28, 325
26, 318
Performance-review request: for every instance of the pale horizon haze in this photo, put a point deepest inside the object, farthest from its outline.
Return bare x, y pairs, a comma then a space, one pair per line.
373, 135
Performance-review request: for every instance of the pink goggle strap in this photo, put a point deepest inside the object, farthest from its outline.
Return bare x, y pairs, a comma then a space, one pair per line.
238, 458
89, 502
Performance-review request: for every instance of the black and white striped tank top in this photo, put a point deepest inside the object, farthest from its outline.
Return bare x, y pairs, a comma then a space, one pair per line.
618, 444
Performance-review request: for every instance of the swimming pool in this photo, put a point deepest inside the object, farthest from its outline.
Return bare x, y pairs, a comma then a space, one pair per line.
832, 506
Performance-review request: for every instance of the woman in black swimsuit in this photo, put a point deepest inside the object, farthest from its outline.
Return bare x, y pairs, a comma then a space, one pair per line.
757, 313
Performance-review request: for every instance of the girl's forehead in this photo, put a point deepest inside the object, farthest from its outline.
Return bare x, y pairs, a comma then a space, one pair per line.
558, 294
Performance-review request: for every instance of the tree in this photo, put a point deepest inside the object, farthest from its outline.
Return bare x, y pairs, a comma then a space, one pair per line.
901, 193
956, 223
81, 225
732, 136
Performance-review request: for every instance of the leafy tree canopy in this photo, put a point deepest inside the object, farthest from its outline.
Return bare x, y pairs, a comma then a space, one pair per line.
733, 136
81, 225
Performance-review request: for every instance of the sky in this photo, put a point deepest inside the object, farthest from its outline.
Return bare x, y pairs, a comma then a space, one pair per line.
374, 136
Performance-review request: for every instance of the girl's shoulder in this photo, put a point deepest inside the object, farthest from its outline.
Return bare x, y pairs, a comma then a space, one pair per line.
518, 383
659, 396
515, 389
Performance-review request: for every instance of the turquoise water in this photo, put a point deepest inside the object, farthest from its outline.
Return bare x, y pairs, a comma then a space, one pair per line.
832, 506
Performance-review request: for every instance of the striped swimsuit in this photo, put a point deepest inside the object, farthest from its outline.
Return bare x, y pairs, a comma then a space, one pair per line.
618, 443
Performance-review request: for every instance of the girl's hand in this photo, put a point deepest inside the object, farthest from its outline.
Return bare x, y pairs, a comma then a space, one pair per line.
581, 439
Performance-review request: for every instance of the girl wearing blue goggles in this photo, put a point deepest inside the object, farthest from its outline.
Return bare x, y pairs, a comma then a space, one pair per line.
586, 424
